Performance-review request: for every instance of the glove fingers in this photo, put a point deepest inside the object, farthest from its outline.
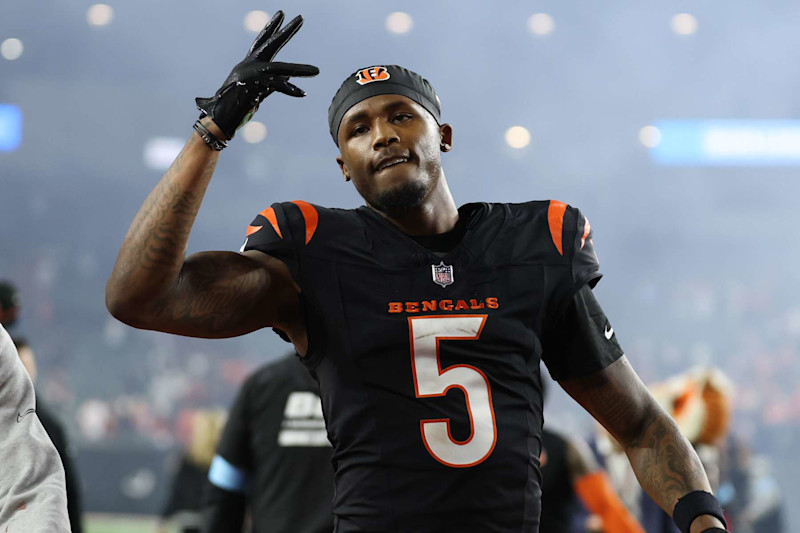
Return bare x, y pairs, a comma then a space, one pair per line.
260, 72
273, 24
273, 45
282, 85
293, 69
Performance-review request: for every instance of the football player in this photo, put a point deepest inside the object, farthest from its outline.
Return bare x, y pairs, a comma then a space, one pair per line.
423, 322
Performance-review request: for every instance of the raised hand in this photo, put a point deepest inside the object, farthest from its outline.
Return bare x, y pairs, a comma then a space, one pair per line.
256, 77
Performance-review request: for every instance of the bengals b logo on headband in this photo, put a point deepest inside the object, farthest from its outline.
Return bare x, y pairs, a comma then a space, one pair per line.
368, 75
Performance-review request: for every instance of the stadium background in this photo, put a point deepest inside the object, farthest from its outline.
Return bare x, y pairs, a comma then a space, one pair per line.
697, 235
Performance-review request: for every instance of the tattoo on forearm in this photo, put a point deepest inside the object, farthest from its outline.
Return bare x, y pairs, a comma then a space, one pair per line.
665, 462
158, 235
172, 212
199, 295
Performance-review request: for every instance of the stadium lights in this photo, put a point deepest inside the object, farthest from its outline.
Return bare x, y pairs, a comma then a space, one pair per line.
11, 49
254, 132
255, 20
399, 22
541, 24
518, 137
650, 136
684, 24
100, 15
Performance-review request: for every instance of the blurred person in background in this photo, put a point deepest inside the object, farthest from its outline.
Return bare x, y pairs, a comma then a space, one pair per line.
750, 492
274, 458
57, 434
33, 497
408, 455
570, 471
184, 505
9, 304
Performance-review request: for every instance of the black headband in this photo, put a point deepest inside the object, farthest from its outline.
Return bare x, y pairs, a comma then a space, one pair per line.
372, 81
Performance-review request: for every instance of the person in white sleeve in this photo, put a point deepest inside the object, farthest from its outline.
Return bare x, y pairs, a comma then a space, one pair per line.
33, 495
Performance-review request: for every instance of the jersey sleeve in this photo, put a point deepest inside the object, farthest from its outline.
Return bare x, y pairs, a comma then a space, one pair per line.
270, 233
585, 265
283, 231
581, 341
577, 264
576, 336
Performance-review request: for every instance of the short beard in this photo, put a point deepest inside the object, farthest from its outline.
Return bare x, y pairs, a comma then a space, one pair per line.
401, 199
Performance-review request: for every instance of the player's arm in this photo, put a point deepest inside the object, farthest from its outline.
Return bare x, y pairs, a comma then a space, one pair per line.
583, 355
593, 487
211, 294
665, 463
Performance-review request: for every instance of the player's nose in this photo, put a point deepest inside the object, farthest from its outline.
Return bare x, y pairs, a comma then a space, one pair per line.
384, 134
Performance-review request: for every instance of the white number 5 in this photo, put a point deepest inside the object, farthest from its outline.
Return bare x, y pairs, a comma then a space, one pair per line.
431, 381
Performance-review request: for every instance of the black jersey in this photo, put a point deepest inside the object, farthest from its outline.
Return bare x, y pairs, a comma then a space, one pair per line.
429, 365
274, 449
559, 503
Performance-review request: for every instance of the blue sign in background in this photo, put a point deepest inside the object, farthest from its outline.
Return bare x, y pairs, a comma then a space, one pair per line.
10, 127
728, 143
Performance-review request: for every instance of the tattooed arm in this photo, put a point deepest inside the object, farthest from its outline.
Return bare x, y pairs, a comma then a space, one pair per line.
665, 463
210, 294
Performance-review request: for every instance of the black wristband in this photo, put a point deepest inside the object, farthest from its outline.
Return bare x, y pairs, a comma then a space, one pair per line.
714, 530
209, 138
694, 504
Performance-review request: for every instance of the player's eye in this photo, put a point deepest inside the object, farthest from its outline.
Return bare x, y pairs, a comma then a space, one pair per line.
358, 130
401, 117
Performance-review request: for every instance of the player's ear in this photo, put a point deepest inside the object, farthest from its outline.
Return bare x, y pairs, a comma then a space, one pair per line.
343, 167
445, 137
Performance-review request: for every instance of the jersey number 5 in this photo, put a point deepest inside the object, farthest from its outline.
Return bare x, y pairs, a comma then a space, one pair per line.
430, 381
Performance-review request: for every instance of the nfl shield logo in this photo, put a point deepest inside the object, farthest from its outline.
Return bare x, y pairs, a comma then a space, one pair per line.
443, 274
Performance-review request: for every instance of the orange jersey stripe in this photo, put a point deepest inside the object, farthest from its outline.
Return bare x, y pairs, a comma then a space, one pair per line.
269, 214
253, 229
310, 216
586, 229
555, 218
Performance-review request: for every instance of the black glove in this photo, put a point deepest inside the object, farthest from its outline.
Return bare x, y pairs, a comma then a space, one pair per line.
255, 78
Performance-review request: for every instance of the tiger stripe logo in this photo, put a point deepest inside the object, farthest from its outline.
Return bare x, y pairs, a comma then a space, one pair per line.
310, 221
371, 74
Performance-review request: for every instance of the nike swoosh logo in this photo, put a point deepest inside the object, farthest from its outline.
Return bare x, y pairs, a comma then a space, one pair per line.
20, 416
609, 332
